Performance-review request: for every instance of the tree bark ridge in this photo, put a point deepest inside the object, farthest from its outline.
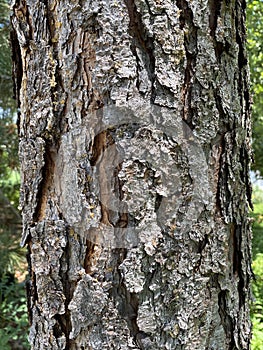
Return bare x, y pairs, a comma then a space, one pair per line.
135, 152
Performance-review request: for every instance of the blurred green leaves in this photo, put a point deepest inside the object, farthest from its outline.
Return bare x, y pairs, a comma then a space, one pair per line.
6, 89
257, 265
9, 163
13, 314
255, 50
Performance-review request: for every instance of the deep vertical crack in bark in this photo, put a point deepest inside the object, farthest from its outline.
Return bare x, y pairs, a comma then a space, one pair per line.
143, 42
243, 86
190, 44
46, 183
226, 319
126, 302
31, 288
17, 72
68, 286
215, 9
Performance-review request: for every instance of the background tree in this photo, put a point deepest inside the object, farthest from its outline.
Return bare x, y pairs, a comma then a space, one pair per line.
135, 154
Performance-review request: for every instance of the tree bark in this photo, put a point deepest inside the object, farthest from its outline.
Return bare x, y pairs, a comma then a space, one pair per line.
135, 151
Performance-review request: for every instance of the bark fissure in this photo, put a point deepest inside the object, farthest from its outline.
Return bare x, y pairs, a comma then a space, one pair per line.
143, 42
46, 183
101, 142
89, 257
227, 321
17, 69
215, 13
68, 289
238, 262
220, 177
243, 88
31, 288
126, 302
191, 51
22, 22
57, 91
98, 147
215, 8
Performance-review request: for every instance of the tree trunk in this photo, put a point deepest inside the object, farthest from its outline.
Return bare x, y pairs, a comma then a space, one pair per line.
135, 149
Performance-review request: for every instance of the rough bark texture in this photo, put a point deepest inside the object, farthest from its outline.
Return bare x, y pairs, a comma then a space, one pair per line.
126, 106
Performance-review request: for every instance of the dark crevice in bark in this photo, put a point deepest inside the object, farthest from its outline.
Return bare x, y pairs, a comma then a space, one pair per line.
233, 256
219, 106
127, 302
222, 144
100, 143
17, 73
45, 184
58, 110
244, 155
91, 24
17, 66
240, 39
142, 41
50, 26
200, 246
187, 92
90, 246
62, 123
224, 197
219, 183
244, 92
240, 229
57, 91
203, 244
243, 89
23, 25
63, 320
186, 14
158, 202
237, 262
31, 288
215, 8
239, 252
190, 44
117, 220
227, 321
59, 328
98, 147
215, 11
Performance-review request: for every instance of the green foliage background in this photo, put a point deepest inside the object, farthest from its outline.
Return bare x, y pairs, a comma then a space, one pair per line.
257, 285
255, 49
13, 314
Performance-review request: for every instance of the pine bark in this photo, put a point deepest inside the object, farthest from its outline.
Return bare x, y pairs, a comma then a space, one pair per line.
135, 150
